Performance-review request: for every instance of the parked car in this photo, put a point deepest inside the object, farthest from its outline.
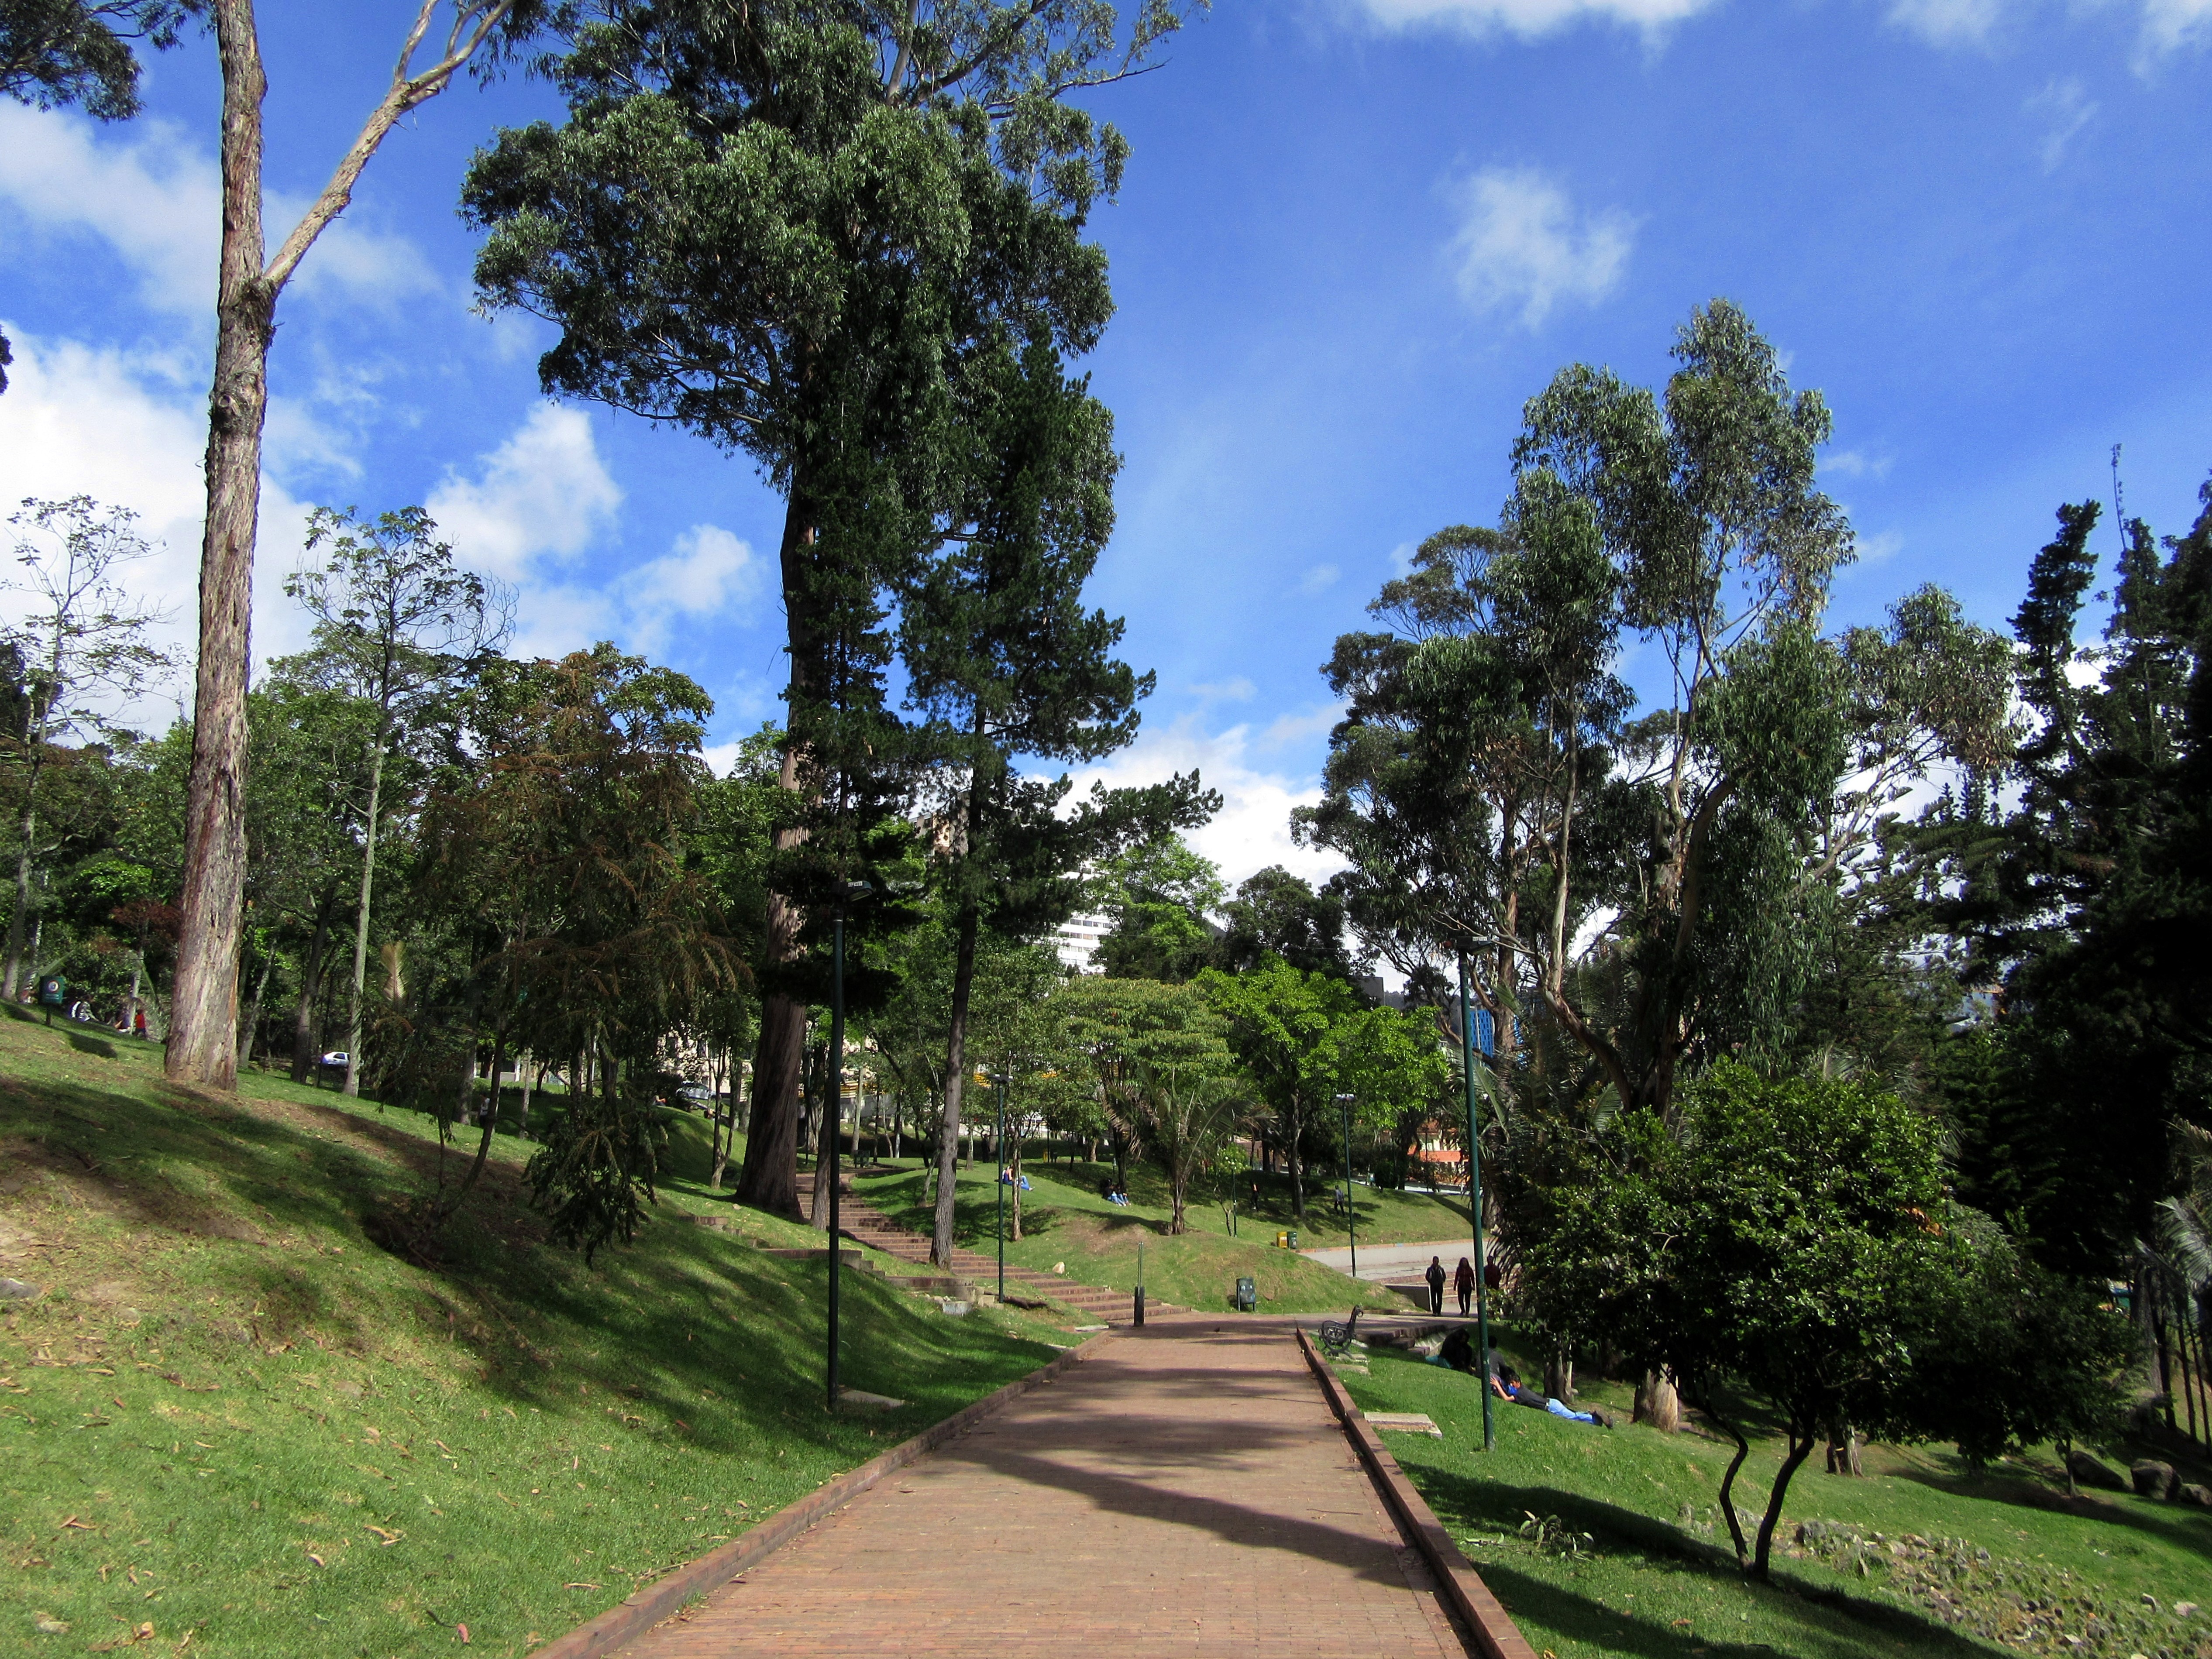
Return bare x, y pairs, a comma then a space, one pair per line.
336, 1057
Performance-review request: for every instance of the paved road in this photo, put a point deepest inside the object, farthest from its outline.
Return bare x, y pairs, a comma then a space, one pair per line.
1185, 1491
1392, 1263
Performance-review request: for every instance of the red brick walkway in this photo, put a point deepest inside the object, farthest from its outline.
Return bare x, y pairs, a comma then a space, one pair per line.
1184, 1492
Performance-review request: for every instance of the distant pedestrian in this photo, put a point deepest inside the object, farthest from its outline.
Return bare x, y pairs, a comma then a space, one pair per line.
1463, 1282
1436, 1278
138, 1021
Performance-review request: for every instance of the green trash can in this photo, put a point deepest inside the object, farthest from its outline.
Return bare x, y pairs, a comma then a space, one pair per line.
1248, 1296
1294, 1238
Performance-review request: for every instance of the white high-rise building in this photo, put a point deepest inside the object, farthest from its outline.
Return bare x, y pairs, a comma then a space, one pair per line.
1077, 939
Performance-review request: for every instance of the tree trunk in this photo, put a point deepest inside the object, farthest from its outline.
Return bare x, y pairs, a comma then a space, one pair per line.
27, 828
304, 1053
1800, 1445
361, 914
203, 994
1657, 1403
1844, 1449
770, 1179
1296, 1163
1728, 1482
956, 1078
252, 1026
526, 1071
1559, 1374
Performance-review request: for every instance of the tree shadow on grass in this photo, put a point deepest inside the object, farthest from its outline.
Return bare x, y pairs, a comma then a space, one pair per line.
1498, 1506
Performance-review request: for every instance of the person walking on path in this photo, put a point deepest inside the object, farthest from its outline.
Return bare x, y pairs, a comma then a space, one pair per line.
1463, 1282
1436, 1278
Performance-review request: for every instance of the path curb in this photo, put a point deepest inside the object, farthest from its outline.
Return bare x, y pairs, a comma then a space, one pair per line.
1495, 1633
637, 1613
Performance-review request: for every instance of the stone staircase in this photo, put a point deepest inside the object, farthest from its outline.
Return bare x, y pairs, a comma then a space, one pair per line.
976, 1271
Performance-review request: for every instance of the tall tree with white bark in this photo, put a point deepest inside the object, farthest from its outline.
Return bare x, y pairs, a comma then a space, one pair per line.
203, 1046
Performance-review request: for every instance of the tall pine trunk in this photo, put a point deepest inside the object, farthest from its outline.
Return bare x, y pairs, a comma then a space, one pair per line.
769, 1177
252, 1026
203, 992
956, 1077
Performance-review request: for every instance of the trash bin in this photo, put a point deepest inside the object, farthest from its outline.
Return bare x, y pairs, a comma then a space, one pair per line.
1282, 1241
1294, 1238
1248, 1296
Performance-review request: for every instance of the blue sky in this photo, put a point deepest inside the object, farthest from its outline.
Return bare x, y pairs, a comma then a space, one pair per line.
1355, 236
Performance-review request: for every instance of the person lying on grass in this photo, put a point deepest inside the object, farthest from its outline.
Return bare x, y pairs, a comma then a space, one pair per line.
1507, 1384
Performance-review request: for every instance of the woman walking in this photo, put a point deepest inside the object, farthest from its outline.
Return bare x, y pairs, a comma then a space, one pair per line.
1463, 1282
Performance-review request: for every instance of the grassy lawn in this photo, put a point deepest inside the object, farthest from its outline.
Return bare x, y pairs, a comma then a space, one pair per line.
1065, 1219
1918, 1556
230, 1416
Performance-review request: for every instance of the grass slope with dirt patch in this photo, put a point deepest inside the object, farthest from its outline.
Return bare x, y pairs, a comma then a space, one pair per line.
229, 1417
1610, 1542
1065, 1219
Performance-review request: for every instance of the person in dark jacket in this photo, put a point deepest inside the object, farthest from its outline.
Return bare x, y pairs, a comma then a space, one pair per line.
1436, 1278
1463, 1282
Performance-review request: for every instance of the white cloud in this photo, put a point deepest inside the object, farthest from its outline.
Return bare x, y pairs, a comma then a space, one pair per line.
543, 494
1531, 18
1237, 688
2169, 25
1948, 22
155, 198
1857, 464
2062, 109
1318, 577
1521, 244
708, 573
128, 430
1253, 828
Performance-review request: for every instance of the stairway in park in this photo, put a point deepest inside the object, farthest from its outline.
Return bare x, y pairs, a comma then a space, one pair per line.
864, 1223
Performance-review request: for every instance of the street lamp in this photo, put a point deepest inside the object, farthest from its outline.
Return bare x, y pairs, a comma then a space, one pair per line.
1351, 1216
1474, 1198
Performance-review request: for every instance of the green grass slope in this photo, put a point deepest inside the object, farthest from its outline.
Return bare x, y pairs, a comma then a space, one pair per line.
229, 1416
1919, 1557
1064, 1220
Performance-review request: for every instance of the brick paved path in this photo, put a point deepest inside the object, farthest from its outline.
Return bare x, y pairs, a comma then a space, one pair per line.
1184, 1492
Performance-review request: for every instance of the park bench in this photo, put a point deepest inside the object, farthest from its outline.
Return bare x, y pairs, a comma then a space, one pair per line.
1336, 1337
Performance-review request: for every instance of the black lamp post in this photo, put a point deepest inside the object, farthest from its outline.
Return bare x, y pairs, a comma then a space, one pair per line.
1351, 1215
1474, 1199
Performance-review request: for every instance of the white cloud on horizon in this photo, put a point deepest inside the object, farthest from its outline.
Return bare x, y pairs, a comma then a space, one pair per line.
1521, 245
1253, 828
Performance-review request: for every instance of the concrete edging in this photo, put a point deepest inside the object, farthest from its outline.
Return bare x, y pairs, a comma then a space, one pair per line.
1494, 1632
640, 1610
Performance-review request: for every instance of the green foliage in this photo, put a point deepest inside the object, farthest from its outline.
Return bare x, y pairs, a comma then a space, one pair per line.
1157, 894
1788, 1242
599, 1158
56, 53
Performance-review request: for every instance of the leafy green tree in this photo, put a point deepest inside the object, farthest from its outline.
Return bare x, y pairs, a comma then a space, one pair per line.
1791, 1242
795, 229
2088, 899
400, 628
1005, 663
1157, 896
561, 854
1275, 913
1157, 1061
78, 658
1297, 1034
